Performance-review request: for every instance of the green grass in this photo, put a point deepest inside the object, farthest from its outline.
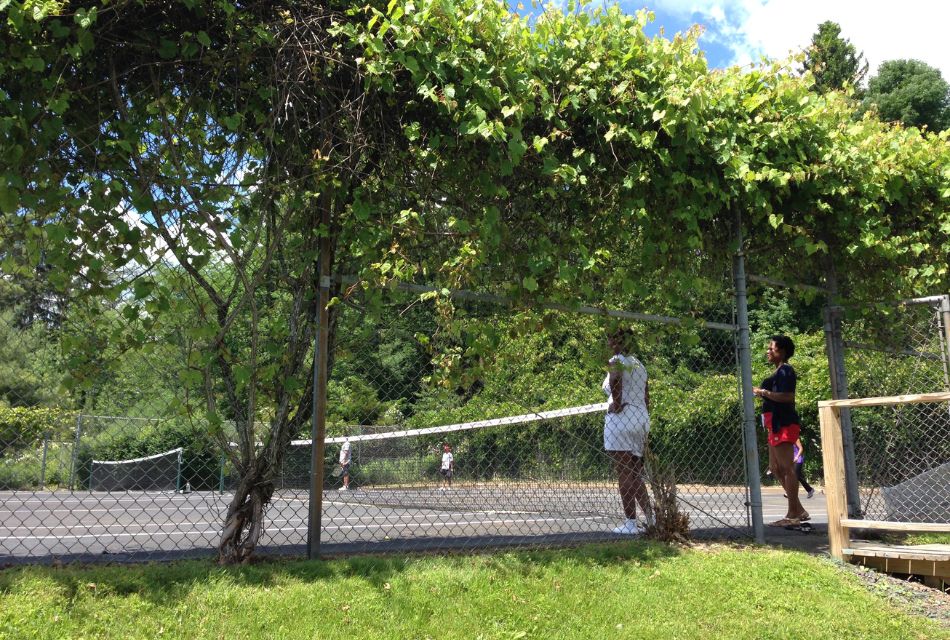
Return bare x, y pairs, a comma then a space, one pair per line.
927, 538
630, 590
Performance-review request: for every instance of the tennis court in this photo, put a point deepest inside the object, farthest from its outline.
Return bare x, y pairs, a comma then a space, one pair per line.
147, 525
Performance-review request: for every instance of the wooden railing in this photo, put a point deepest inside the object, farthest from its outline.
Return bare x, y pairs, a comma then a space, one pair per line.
839, 525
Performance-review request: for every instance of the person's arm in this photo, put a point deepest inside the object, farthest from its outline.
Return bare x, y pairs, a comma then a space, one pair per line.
783, 385
616, 392
783, 397
774, 396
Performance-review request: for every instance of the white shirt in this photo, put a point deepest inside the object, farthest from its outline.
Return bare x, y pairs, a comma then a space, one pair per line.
345, 453
447, 459
633, 381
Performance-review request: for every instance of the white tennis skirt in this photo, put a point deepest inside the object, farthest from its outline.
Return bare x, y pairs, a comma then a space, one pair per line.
627, 430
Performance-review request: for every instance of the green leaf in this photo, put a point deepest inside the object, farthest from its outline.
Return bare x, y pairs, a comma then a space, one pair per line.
55, 233
167, 49
529, 283
9, 199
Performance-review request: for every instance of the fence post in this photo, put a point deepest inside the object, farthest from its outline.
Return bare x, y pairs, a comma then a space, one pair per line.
832, 456
75, 457
834, 346
749, 438
944, 310
224, 459
181, 460
46, 437
318, 422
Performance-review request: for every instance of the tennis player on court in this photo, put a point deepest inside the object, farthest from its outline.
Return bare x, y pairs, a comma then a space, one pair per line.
345, 463
626, 427
782, 425
448, 466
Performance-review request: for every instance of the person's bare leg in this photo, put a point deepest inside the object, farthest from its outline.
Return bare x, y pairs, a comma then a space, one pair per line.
785, 461
639, 486
623, 463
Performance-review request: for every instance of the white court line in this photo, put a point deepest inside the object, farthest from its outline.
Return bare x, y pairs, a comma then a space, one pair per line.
282, 529
413, 517
171, 496
205, 508
117, 510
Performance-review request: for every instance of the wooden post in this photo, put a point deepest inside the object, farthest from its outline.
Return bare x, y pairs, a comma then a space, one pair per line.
833, 456
318, 423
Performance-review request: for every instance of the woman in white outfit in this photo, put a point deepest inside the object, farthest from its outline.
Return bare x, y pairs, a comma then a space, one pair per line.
626, 427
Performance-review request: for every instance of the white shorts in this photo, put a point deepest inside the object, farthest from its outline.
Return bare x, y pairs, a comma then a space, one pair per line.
627, 430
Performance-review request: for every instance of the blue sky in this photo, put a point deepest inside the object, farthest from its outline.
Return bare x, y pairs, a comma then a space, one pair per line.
717, 52
740, 31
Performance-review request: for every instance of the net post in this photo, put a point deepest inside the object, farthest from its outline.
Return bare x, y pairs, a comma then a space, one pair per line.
221, 474
178, 471
75, 457
318, 424
749, 440
46, 437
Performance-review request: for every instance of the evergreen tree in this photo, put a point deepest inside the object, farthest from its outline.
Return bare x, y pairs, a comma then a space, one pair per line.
834, 61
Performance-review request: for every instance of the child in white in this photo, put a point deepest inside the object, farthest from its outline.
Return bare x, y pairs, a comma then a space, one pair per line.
345, 463
448, 465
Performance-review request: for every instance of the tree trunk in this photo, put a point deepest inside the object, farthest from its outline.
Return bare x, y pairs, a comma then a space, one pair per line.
244, 523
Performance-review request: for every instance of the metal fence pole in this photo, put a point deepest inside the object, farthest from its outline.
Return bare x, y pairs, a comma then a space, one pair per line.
318, 423
748, 406
834, 345
75, 457
224, 460
944, 310
43, 463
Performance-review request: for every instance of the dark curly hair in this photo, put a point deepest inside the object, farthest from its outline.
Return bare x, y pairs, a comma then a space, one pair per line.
785, 344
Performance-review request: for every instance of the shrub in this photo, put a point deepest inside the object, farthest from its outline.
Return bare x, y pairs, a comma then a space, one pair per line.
24, 427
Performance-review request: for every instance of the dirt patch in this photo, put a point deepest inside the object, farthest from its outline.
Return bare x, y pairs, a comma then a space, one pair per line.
907, 595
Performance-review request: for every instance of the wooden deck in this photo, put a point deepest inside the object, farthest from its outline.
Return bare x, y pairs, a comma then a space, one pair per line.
932, 561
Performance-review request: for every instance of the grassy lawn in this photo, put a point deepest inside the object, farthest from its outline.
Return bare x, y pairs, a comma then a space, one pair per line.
629, 590
928, 538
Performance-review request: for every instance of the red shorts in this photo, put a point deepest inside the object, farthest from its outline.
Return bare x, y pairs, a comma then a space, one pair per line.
788, 433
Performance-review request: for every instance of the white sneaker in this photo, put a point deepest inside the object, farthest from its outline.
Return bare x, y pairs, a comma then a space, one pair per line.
628, 528
344, 488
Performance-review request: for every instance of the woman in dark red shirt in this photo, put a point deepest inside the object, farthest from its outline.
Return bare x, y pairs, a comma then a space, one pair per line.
782, 424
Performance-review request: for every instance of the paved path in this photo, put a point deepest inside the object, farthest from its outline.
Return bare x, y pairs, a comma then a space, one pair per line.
36, 526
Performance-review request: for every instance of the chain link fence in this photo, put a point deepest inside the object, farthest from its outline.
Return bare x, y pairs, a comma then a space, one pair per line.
466, 424
901, 452
493, 430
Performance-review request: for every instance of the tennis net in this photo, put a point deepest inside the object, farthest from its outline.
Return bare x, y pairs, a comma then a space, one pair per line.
547, 461
159, 472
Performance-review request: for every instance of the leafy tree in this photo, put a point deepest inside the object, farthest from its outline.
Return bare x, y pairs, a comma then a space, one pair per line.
188, 163
833, 61
912, 92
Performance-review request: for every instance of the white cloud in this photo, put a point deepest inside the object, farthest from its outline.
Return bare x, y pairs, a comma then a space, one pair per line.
882, 31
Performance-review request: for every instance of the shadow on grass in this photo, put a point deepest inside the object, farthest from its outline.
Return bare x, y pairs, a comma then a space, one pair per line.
169, 583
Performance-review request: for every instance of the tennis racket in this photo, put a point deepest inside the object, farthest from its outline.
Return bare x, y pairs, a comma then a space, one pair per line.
337, 470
